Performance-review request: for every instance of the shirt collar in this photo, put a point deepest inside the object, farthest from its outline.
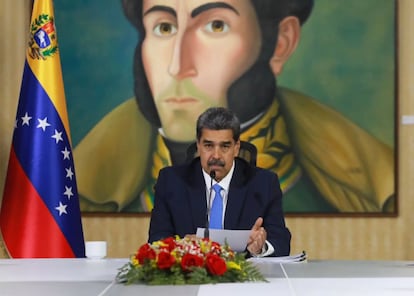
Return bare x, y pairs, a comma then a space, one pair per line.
224, 183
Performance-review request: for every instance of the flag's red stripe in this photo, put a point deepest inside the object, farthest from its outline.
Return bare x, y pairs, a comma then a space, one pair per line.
29, 230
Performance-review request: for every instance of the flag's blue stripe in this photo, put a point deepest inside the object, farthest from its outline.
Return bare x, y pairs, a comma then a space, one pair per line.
42, 159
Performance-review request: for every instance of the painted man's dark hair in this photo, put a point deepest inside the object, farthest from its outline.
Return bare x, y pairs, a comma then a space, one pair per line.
257, 84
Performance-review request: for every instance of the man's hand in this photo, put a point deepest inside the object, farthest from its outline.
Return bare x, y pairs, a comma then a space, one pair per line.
257, 237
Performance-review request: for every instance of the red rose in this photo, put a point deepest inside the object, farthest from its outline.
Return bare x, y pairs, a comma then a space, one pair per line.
215, 264
190, 260
165, 260
170, 242
145, 252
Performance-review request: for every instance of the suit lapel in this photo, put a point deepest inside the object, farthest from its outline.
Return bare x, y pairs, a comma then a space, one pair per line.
236, 196
197, 194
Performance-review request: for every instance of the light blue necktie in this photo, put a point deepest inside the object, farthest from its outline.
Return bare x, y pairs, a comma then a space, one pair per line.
216, 214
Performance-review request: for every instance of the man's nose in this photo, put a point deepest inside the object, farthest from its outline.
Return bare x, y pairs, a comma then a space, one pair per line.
182, 58
216, 153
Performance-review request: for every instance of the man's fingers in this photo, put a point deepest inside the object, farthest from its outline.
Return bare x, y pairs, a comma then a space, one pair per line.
257, 237
258, 223
256, 229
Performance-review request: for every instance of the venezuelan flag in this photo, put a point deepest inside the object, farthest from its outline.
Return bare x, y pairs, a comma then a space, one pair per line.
40, 214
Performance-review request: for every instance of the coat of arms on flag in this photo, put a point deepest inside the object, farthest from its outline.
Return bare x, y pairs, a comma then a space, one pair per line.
43, 42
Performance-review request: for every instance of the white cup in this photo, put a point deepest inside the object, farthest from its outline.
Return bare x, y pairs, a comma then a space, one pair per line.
95, 249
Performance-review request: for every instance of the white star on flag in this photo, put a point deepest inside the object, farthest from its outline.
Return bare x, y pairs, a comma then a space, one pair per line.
43, 124
61, 208
57, 136
69, 173
66, 153
26, 118
68, 192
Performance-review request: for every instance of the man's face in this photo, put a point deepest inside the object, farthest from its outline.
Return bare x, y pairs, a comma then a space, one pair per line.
217, 150
192, 52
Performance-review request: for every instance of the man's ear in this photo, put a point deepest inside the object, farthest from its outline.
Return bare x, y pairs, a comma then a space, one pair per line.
287, 41
237, 148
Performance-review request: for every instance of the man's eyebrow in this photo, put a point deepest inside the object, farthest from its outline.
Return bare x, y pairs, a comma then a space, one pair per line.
161, 8
212, 5
226, 143
206, 141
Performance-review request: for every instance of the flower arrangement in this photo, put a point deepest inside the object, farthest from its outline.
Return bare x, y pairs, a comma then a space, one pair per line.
175, 261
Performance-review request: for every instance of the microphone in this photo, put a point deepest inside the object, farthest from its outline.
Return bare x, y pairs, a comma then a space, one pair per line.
207, 228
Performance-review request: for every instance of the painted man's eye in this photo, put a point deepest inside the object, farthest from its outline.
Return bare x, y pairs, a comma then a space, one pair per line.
165, 29
217, 27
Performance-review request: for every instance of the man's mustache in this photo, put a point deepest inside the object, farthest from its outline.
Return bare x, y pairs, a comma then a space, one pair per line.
215, 162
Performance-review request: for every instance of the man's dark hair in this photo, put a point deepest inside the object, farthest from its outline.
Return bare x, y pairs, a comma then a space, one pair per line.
218, 118
258, 84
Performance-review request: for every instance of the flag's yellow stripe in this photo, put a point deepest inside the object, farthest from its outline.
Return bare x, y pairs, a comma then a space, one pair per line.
48, 72
49, 75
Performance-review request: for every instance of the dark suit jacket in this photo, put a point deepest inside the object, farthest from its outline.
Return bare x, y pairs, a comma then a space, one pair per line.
180, 203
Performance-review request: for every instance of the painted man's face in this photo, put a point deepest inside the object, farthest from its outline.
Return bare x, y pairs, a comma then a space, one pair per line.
192, 52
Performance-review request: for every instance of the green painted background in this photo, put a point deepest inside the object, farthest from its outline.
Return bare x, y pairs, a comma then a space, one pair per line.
346, 59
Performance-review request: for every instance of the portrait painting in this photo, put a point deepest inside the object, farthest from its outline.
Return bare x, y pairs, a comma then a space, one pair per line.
313, 83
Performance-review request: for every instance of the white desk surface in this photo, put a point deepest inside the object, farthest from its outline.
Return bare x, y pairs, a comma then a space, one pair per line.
96, 277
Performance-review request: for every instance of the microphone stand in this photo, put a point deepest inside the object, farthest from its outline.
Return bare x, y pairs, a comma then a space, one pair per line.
207, 228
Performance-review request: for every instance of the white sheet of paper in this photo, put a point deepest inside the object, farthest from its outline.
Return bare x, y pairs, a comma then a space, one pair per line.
296, 258
236, 239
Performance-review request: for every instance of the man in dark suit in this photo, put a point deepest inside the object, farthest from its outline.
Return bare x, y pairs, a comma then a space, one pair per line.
251, 196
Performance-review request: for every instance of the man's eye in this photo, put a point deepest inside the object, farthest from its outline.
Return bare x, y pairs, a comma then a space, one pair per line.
165, 29
217, 27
